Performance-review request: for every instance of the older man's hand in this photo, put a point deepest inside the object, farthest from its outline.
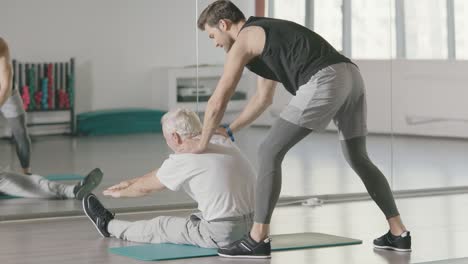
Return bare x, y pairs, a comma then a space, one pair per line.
123, 189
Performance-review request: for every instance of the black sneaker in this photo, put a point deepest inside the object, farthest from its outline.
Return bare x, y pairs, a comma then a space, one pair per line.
88, 184
97, 213
399, 243
246, 247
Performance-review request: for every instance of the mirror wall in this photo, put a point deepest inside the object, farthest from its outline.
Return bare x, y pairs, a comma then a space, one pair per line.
124, 52
428, 80
149, 54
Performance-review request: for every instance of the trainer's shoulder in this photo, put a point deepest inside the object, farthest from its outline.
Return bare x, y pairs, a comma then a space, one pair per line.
252, 31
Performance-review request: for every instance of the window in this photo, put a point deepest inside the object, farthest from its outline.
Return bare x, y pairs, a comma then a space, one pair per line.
461, 29
328, 21
426, 29
292, 10
373, 29
373, 26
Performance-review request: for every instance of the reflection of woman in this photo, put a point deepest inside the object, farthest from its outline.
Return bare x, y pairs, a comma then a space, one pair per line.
11, 107
36, 186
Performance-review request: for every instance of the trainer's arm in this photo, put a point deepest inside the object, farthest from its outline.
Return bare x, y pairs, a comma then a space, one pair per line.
239, 55
257, 104
5, 72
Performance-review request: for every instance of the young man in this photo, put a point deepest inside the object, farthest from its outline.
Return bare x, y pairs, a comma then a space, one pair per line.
327, 86
36, 186
11, 107
221, 181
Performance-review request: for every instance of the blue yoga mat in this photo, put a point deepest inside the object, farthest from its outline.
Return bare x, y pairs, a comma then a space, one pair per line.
153, 252
51, 177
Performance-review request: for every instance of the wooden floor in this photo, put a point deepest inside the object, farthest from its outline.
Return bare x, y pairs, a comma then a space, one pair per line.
438, 226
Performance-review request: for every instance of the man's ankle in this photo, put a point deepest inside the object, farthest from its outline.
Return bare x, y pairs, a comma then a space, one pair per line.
259, 232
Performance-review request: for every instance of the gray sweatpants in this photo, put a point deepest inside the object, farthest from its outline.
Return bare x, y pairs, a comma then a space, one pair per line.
16, 118
33, 186
192, 230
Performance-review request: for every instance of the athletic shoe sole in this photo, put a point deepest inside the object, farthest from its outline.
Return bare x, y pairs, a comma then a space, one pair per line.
393, 248
85, 209
91, 181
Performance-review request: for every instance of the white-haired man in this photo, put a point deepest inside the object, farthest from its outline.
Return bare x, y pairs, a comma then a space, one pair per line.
221, 181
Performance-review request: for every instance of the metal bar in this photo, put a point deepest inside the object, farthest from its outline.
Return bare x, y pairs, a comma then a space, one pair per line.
347, 28
309, 15
451, 30
49, 123
352, 197
271, 8
400, 29
72, 110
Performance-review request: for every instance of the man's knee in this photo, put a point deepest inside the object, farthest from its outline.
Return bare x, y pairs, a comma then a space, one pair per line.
357, 159
268, 150
18, 127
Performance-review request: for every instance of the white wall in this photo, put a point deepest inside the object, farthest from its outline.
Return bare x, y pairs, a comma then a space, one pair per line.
116, 43
430, 98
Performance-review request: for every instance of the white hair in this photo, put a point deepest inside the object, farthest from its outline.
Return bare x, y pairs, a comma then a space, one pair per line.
184, 122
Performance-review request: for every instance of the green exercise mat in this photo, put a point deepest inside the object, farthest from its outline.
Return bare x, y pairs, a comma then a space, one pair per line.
51, 177
64, 177
119, 122
152, 252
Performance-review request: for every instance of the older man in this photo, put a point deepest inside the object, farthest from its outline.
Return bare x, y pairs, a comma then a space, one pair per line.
221, 181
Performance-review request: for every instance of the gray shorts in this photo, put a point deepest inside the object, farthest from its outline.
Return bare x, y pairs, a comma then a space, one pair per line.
334, 93
13, 106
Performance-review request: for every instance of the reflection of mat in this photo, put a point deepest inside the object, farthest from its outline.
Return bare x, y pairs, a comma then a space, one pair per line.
279, 242
447, 261
119, 122
52, 177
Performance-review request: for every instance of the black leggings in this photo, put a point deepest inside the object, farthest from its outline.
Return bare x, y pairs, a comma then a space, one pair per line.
22, 140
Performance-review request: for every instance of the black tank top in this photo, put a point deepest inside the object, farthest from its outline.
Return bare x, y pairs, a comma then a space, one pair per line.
292, 53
